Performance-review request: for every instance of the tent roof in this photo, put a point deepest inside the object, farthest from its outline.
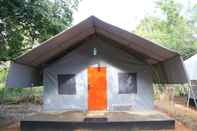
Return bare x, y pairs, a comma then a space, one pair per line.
89, 27
26, 70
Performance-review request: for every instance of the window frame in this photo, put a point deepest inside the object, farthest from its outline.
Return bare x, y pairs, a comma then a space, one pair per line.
121, 89
63, 88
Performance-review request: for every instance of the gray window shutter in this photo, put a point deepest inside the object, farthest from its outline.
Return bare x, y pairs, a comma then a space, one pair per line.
127, 83
66, 84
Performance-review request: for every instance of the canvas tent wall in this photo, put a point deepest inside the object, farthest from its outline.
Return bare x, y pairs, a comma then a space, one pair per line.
116, 61
42, 64
191, 68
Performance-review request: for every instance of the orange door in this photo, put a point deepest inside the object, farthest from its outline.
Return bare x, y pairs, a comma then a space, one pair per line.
97, 93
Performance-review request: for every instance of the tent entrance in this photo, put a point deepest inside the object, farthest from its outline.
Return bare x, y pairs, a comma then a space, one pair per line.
97, 91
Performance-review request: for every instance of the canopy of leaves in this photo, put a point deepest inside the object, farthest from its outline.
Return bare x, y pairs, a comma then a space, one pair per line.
172, 30
25, 23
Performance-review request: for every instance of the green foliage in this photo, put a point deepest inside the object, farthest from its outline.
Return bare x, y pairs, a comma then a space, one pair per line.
21, 95
3, 73
24, 23
193, 17
171, 30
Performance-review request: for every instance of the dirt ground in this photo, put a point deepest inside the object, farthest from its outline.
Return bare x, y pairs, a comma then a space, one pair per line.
10, 115
186, 116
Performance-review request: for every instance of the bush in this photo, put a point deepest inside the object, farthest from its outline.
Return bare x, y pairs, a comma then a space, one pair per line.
22, 95
176, 90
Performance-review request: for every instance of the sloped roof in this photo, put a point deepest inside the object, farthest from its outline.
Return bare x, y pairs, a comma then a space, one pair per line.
26, 70
92, 25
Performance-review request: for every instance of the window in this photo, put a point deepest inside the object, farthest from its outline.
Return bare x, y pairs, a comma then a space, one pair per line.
66, 84
127, 83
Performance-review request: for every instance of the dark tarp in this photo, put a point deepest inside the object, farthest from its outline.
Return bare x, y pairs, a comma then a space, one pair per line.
26, 70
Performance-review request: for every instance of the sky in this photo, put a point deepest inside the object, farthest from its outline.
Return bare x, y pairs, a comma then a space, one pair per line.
125, 14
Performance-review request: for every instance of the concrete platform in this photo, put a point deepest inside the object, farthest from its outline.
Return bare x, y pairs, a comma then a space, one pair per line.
74, 120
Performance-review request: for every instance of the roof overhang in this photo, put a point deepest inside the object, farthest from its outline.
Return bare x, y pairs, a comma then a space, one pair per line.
169, 62
94, 26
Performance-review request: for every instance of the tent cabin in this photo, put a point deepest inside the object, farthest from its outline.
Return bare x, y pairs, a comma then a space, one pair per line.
191, 69
96, 66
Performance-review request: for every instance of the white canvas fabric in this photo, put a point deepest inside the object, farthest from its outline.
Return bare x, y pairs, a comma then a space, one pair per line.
191, 67
115, 60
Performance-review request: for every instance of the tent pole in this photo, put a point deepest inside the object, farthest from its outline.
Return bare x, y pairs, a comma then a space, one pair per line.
31, 97
191, 92
4, 91
173, 103
188, 95
2, 98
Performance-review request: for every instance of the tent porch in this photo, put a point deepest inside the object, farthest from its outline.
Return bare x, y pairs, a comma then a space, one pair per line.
97, 120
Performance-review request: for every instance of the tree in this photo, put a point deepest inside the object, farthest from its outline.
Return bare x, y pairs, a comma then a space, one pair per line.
25, 23
193, 15
171, 29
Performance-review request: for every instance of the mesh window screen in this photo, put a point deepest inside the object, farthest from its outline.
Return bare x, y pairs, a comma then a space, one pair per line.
66, 84
127, 83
